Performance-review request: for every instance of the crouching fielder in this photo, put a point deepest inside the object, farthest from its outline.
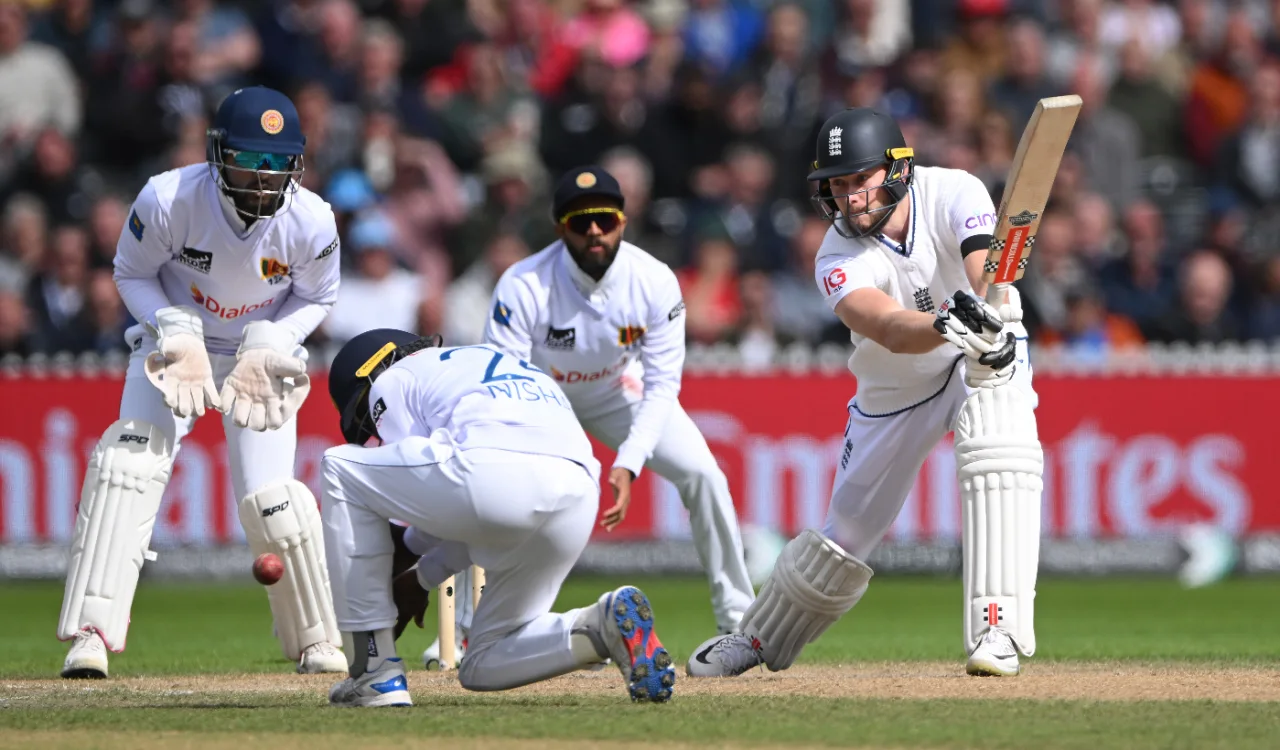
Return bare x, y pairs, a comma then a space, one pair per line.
902, 237
482, 456
229, 266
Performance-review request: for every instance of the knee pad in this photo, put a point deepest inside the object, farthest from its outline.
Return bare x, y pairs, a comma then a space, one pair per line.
814, 582
119, 502
284, 518
1000, 466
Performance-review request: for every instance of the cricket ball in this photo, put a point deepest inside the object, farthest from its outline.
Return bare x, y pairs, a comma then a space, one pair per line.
268, 568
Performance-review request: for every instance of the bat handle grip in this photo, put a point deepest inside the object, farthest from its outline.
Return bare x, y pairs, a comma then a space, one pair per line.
996, 294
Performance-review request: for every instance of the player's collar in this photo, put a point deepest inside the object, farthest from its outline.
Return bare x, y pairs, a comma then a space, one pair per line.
592, 290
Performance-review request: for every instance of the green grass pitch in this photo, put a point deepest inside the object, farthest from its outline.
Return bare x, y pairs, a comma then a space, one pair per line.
1132, 663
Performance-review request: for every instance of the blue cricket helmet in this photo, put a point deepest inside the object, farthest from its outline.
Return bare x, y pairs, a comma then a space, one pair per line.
254, 150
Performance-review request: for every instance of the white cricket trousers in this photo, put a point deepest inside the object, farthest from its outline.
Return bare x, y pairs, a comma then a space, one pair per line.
683, 458
524, 518
883, 455
256, 459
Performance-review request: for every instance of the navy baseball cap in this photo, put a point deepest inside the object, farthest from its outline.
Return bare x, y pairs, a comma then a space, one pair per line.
259, 119
581, 182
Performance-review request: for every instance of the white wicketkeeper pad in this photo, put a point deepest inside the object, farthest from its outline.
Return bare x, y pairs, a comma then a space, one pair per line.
284, 518
1000, 466
119, 501
814, 582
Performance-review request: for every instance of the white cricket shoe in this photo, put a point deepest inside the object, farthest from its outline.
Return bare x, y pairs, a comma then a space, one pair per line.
431, 657
621, 624
995, 655
385, 687
724, 656
320, 658
87, 658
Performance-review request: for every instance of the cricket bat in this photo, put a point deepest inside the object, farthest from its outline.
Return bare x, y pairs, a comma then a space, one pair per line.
1026, 192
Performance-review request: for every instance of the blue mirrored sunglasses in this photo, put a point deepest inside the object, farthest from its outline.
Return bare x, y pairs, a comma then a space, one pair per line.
260, 160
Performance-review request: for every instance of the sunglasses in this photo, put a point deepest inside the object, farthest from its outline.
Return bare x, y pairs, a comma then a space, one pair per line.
260, 160
579, 222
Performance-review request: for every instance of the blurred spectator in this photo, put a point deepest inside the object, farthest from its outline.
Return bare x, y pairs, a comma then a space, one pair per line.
127, 130
1096, 240
380, 84
644, 222
514, 186
1150, 106
1264, 320
1250, 161
1201, 314
756, 332
1156, 23
380, 294
721, 34
799, 312
744, 207
1107, 141
791, 82
488, 113
225, 46
710, 286
467, 300
53, 175
76, 28
871, 33
1025, 82
979, 47
26, 230
1080, 34
333, 134
1088, 330
56, 297
37, 86
1142, 285
431, 31
1218, 94
15, 325
1202, 23
104, 317
106, 221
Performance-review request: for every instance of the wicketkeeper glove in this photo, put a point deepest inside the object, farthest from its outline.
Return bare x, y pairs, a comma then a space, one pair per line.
180, 365
269, 382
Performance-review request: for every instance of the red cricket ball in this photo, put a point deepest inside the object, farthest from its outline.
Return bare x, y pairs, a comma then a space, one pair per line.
268, 568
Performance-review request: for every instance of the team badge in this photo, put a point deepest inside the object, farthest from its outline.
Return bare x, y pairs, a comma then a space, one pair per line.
501, 314
629, 336
273, 271
136, 226
585, 180
272, 122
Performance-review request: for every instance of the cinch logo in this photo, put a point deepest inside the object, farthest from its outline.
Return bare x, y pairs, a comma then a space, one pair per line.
573, 376
226, 313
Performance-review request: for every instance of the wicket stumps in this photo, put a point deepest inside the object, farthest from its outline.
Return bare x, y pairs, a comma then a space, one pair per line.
446, 613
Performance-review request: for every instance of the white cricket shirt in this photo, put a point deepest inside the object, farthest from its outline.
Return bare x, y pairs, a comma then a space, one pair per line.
607, 344
947, 207
183, 244
483, 399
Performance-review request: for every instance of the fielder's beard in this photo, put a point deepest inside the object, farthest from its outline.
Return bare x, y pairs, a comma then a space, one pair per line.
594, 257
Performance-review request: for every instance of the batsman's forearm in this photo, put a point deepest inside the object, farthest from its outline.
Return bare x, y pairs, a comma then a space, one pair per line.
911, 332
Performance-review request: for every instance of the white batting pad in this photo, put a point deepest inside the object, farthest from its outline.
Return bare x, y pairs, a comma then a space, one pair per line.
119, 501
284, 518
1000, 465
814, 582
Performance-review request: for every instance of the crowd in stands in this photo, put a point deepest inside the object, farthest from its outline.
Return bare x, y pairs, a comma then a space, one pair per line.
435, 129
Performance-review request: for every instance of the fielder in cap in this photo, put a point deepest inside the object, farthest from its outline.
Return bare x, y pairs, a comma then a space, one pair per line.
606, 320
228, 265
480, 454
903, 238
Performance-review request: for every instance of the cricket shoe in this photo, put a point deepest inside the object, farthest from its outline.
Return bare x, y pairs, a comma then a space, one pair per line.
725, 656
384, 687
995, 655
320, 658
621, 624
87, 658
431, 657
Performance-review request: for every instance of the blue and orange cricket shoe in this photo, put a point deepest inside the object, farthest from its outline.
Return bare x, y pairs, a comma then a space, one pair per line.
627, 619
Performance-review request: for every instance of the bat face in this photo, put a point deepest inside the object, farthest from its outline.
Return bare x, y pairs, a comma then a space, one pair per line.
1026, 192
